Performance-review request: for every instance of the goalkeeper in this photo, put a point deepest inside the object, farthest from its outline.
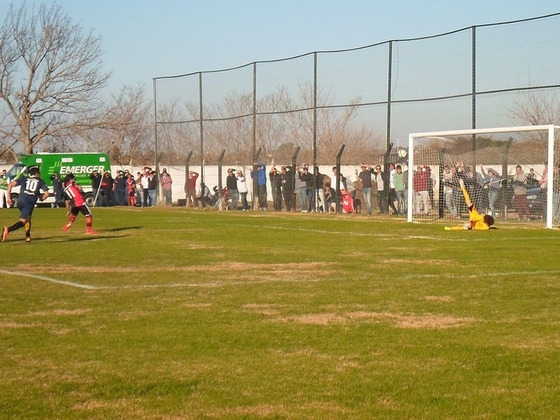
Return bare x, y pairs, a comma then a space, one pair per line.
476, 221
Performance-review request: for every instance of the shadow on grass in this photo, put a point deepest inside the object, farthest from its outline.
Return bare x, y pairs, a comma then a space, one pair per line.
120, 229
74, 238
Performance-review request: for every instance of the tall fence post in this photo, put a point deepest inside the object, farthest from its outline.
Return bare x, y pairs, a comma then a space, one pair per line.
187, 180
220, 185
201, 127
337, 182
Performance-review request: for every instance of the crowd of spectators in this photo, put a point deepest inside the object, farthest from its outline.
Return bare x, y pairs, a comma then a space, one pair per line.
300, 189
124, 189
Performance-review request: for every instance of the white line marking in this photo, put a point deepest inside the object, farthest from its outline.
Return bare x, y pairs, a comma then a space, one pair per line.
238, 283
49, 279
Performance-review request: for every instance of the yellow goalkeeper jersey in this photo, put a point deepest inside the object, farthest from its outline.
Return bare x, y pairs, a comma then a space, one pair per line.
477, 220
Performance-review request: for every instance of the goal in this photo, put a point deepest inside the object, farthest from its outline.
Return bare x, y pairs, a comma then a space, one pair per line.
510, 172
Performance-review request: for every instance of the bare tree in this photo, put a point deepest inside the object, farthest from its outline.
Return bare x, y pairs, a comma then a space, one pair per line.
536, 108
50, 77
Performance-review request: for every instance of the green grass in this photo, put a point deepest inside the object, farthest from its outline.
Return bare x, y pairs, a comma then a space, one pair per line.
200, 314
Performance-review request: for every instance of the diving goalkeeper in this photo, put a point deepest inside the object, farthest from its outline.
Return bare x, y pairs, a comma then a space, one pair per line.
476, 221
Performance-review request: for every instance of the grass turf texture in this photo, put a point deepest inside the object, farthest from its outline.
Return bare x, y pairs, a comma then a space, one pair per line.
196, 314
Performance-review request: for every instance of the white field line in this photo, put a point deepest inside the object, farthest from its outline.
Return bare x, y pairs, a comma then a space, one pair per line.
49, 279
238, 283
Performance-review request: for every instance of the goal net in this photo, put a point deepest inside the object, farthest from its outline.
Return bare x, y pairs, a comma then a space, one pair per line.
510, 173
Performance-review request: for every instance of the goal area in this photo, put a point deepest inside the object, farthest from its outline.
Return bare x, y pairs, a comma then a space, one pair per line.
511, 173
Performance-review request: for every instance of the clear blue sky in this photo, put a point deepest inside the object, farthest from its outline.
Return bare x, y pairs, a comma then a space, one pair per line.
144, 39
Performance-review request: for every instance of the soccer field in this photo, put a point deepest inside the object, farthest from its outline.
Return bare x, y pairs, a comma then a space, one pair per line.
175, 313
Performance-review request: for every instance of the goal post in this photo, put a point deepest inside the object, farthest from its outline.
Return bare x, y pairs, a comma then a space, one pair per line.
511, 172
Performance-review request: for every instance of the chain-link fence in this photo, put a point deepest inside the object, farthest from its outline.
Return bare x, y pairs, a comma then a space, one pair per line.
366, 98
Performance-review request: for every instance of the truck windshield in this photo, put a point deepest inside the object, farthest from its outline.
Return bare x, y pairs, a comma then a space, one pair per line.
15, 171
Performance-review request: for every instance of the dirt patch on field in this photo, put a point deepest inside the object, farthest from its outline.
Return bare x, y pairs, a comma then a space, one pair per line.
432, 321
292, 269
59, 312
440, 298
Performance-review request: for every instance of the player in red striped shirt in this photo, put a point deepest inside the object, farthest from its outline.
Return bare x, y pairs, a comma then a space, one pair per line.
78, 205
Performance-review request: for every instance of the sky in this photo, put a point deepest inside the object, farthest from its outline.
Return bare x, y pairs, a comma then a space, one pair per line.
144, 39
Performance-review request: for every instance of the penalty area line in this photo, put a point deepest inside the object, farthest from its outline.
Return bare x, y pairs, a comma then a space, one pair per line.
49, 279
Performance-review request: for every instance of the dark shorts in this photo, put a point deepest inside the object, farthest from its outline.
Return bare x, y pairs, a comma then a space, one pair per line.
84, 209
25, 208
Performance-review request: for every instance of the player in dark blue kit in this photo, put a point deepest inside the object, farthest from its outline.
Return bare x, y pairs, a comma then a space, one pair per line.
31, 189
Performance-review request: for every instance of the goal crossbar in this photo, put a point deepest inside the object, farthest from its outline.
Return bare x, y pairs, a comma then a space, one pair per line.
550, 128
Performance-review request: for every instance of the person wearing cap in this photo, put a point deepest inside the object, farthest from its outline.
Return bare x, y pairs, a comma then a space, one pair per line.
231, 185
243, 189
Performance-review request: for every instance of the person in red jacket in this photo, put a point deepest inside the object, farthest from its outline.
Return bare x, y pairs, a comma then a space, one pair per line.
74, 192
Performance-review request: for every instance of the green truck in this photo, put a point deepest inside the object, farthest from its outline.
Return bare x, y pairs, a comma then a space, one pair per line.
81, 165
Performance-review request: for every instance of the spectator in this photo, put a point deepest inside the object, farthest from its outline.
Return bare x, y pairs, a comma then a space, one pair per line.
57, 189
351, 188
329, 198
139, 189
152, 188
231, 185
380, 180
302, 176
145, 188
190, 189
520, 193
261, 185
119, 187
166, 183
287, 183
493, 180
400, 189
367, 186
205, 196
392, 193
334, 181
420, 180
3, 189
131, 189
319, 196
532, 181
95, 186
310, 189
276, 184
447, 179
107, 189
243, 190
